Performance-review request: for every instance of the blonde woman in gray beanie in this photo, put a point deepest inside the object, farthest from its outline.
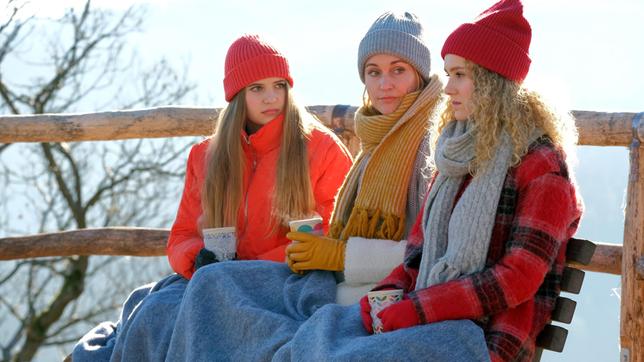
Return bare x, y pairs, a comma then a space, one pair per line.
382, 193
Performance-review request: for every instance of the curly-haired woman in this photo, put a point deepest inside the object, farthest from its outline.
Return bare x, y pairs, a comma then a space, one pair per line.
490, 245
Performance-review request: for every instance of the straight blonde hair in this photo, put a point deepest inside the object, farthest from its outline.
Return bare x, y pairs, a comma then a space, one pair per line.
223, 186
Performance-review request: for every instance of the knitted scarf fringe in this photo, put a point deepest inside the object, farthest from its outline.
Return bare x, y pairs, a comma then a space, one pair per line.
376, 225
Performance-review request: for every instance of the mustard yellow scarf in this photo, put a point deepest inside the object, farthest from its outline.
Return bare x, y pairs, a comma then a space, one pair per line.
373, 197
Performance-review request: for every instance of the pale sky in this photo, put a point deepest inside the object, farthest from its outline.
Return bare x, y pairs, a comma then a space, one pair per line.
586, 54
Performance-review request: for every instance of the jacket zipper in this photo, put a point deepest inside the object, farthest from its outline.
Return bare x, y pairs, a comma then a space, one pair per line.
250, 179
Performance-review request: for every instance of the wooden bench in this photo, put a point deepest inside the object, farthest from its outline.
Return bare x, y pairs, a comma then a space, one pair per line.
595, 129
553, 337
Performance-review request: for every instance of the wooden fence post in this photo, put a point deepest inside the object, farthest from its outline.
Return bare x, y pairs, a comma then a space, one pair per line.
632, 299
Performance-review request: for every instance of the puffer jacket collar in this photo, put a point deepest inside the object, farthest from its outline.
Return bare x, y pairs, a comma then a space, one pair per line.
266, 138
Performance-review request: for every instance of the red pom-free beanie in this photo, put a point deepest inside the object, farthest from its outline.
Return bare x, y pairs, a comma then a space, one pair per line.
498, 40
250, 59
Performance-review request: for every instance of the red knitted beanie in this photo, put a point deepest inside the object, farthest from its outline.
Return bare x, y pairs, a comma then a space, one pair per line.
250, 59
498, 40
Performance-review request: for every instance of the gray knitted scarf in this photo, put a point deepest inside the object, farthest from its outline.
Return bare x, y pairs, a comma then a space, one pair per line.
468, 226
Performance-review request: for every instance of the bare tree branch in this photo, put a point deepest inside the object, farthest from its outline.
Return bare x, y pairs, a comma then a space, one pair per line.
13, 272
12, 309
62, 185
78, 185
37, 328
74, 321
6, 45
63, 148
8, 97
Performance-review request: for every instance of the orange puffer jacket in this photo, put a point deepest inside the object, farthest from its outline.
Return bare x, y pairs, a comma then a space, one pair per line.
329, 161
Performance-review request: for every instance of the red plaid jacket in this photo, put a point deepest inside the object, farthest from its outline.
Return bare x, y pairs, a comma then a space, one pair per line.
513, 296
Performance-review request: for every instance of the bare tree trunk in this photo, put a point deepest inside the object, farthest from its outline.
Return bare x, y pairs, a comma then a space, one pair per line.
36, 328
78, 185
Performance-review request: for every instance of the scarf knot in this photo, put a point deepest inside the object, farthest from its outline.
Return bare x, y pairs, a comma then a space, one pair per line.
455, 151
372, 129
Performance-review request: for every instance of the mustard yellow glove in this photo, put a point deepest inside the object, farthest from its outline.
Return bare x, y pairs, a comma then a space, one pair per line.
313, 252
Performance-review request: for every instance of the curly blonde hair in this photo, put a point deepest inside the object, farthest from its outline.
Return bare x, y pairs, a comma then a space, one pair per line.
499, 103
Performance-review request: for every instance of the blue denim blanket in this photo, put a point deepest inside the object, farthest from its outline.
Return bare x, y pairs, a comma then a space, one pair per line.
144, 328
260, 311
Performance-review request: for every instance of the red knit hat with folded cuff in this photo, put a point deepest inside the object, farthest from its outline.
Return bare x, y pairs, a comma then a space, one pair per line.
250, 59
498, 40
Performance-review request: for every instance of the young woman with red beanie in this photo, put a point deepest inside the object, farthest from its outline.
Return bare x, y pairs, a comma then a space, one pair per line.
490, 243
268, 162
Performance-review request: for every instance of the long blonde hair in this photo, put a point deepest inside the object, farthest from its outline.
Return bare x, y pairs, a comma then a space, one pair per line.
499, 103
223, 187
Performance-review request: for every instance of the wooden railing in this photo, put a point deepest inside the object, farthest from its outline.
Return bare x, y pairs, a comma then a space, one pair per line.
595, 129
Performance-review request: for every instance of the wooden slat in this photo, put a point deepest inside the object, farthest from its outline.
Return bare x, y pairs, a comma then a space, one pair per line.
606, 259
632, 288
605, 129
564, 310
101, 126
595, 128
552, 338
151, 242
571, 280
580, 250
103, 241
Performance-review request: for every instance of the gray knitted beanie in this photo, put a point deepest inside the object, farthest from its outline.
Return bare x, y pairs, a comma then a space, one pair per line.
398, 35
